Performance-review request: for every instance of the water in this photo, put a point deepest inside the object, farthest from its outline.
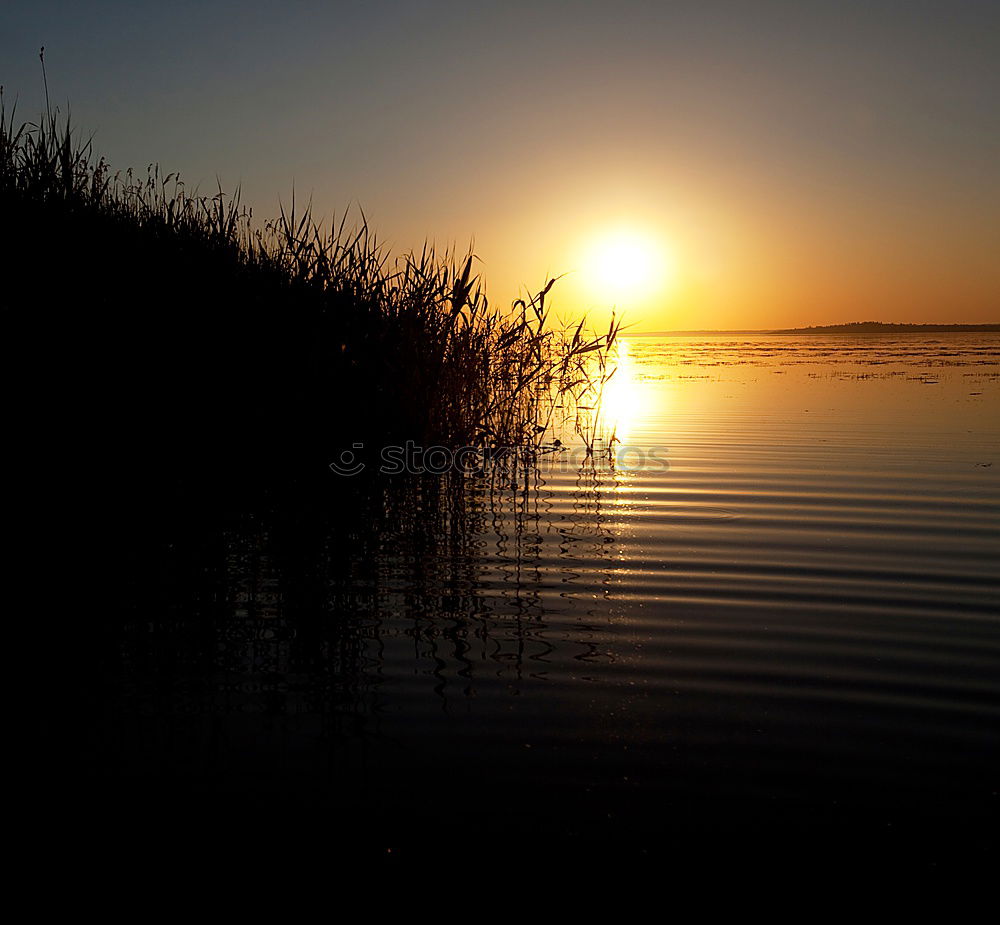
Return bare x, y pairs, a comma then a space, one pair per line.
773, 619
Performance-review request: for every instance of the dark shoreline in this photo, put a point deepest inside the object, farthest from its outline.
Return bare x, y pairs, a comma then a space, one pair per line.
864, 327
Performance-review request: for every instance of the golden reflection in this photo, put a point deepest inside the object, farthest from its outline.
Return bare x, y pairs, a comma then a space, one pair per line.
625, 402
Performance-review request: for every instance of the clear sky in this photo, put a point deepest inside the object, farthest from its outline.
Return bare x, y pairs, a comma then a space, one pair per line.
699, 165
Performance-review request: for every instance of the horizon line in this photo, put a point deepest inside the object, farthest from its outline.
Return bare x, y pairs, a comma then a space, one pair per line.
847, 328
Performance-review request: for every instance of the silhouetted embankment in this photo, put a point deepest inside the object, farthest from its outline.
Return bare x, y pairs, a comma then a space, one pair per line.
159, 331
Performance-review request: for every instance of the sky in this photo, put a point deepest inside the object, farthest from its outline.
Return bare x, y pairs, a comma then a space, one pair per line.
703, 165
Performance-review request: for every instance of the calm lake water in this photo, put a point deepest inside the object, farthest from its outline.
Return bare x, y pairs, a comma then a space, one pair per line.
775, 619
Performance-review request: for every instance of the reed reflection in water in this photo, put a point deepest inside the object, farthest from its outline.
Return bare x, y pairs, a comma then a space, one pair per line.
790, 631
303, 631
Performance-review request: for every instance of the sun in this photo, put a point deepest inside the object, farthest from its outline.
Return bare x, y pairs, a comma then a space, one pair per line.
628, 263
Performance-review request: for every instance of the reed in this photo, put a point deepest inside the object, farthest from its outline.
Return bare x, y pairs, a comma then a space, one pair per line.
324, 313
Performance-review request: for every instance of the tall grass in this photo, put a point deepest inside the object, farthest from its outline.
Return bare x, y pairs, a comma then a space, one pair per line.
346, 337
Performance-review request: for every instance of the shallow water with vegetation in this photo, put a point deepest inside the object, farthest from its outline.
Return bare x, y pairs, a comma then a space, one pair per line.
773, 619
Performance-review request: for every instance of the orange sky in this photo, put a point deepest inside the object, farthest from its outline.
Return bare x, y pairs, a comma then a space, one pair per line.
795, 163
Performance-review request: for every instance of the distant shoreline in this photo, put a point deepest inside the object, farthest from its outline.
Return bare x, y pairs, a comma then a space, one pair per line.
858, 327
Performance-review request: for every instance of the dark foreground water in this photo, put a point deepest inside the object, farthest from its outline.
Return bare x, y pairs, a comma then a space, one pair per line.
772, 626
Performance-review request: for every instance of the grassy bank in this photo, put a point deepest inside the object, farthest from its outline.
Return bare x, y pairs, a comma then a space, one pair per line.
178, 325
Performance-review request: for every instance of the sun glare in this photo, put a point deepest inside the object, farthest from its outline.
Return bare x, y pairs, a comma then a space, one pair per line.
628, 264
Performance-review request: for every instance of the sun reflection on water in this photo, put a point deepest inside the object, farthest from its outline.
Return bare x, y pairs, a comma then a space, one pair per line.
626, 402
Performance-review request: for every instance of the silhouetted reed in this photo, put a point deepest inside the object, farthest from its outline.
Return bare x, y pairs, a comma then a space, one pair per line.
195, 318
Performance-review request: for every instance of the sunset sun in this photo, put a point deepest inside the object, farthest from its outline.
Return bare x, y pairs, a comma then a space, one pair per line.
628, 263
